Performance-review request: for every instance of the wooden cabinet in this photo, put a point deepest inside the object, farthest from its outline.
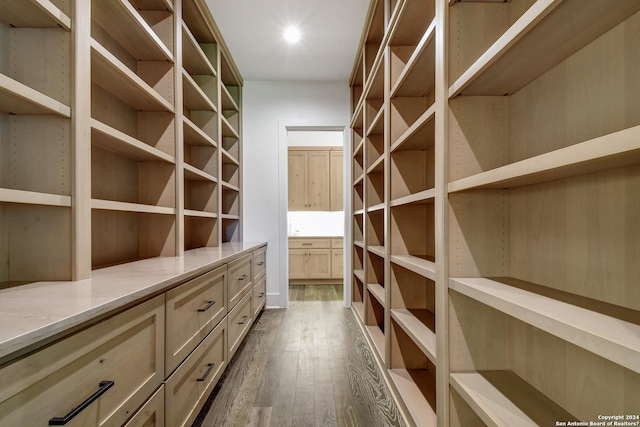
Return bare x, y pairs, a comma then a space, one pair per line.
313, 258
113, 367
240, 279
151, 414
485, 181
315, 179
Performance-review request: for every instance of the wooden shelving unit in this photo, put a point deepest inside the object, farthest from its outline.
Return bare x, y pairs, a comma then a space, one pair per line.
495, 173
114, 138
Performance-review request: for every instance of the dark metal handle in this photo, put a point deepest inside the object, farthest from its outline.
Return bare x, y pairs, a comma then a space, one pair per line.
261, 294
206, 307
244, 276
244, 320
60, 421
261, 263
206, 374
307, 244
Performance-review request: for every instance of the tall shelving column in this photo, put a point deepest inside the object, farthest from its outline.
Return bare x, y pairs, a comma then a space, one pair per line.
36, 83
133, 167
543, 211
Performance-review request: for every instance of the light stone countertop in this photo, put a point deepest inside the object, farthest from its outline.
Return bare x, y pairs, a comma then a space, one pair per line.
37, 311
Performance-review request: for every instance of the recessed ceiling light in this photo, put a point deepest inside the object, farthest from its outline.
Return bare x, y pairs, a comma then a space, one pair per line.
292, 34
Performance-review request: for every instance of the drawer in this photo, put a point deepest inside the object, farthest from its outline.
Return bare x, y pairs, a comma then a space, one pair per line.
112, 367
187, 389
239, 280
239, 322
337, 243
310, 243
259, 263
151, 414
193, 309
259, 296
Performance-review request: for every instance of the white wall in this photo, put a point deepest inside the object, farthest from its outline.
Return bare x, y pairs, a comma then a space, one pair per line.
311, 138
267, 107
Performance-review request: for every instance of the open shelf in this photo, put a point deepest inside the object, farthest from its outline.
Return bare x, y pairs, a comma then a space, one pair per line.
360, 244
129, 29
377, 337
410, 21
357, 85
375, 268
529, 47
230, 202
412, 166
200, 229
359, 309
108, 138
377, 291
17, 98
604, 334
227, 128
200, 196
197, 59
8, 195
33, 14
199, 95
378, 250
375, 228
375, 187
413, 68
618, 149
425, 196
229, 102
502, 398
374, 150
230, 228
417, 389
412, 230
194, 174
421, 266
358, 228
419, 325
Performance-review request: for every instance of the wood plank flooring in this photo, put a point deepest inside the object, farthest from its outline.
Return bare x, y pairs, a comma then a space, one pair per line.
308, 365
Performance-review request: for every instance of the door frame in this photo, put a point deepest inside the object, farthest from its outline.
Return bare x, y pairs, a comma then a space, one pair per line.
284, 126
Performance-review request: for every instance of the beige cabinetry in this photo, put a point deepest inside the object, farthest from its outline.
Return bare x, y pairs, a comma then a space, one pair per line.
111, 367
315, 179
152, 364
313, 258
492, 168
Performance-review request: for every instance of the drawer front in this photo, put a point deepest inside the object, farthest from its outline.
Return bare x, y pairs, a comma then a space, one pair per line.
187, 388
193, 310
337, 243
239, 280
259, 296
259, 263
151, 414
126, 350
337, 263
311, 243
239, 322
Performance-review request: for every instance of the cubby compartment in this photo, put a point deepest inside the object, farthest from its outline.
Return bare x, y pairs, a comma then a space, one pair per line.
358, 163
529, 373
198, 58
412, 233
375, 277
358, 228
230, 201
413, 307
375, 151
358, 193
120, 236
413, 375
34, 243
230, 229
200, 92
412, 166
200, 232
374, 323
375, 187
124, 180
374, 102
230, 171
357, 82
358, 258
375, 228
200, 197
373, 38
408, 116
358, 294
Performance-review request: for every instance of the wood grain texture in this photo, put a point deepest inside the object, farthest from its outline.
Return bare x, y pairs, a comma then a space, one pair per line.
308, 365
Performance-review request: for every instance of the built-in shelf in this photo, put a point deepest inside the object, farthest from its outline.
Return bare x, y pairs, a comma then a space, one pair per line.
359, 308
108, 72
377, 124
420, 326
230, 217
501, 398
228, 103
359, 274
199, 214
378, 250
194, 59
195, 174
359, 243
421, 130
377, 291
418, 76
607, 336
193, 135
111, 139
606, 152
425, 196
194, 96
33, 14
228, 158
417, 388
227, 129
421, 266
130, 207
228, 186
130, 30
509, 64
8, 195
17, 98
377, 165
377, 337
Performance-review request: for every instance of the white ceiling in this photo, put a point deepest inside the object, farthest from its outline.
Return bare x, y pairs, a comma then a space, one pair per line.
253, 29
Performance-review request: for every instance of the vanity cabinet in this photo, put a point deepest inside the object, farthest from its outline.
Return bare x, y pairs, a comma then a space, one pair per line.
315, 178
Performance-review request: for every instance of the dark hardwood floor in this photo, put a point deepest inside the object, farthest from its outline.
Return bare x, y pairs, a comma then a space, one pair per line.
308, 365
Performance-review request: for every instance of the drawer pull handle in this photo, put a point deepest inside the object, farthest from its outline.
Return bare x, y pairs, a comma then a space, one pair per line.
243, 277
206, 374
206, 307
244, 320
60, 421
261, 294
307, 244
261, 263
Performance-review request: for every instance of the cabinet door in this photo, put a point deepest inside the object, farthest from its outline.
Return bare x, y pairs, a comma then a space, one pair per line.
297, 263
335, 179
318, 198
319, 263
297, 180
336, 263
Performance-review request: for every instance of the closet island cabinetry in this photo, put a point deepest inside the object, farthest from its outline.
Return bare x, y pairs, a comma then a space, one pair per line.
495, 179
